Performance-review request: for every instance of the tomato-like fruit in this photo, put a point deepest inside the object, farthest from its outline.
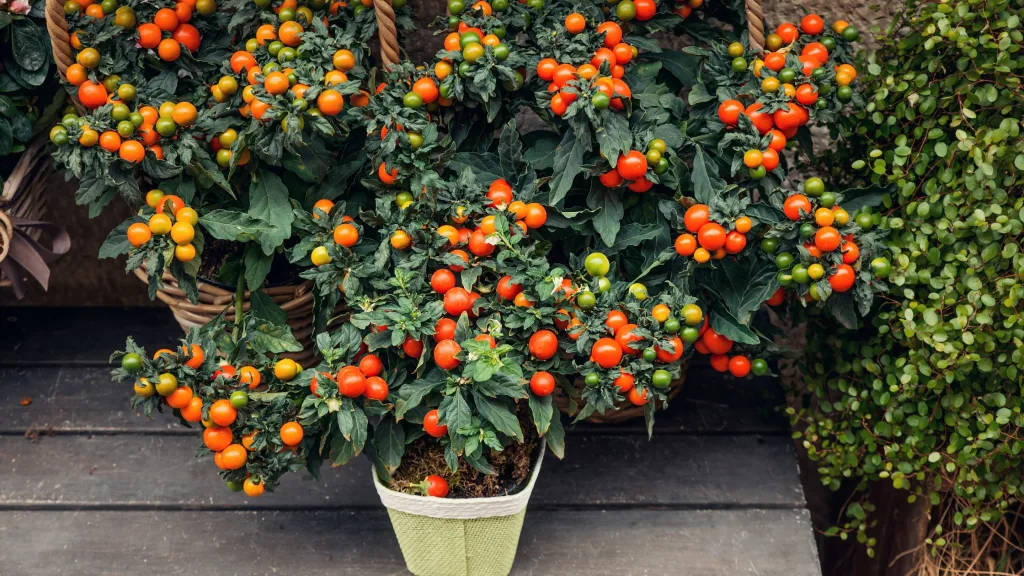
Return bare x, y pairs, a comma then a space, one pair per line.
606, 352
715, 342
436, 486
431, 426
543, 344
442, 280
444, 354
542, 383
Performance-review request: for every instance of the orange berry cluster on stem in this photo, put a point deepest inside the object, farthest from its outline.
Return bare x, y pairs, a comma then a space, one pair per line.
706, 239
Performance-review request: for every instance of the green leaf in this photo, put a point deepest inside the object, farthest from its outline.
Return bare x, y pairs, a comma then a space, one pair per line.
163, 86
264, 307
486, 167
234, 226
499, 414
632, 234
744, 285
540, 152
6, 137
614, 137
389, 442
268, 201
412, 393
706, 183
568, 162
856, 198
682, 66
117, 242
257, 266
608, 220
510, 151
455, 412
272, 338
29, 44
542, 411
556, 436
727, 325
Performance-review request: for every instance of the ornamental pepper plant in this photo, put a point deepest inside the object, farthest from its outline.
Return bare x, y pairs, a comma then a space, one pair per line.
474, 272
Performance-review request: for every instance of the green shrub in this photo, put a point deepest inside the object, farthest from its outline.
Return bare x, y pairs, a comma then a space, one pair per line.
930, 396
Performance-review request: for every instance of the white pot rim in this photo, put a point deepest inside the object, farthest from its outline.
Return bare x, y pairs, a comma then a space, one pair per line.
460, 508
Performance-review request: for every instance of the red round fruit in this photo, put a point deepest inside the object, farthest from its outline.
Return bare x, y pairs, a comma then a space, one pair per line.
711, 236
843, 278
729, 112
442, 281
606, 352
444, 354
351, 382
542, 383
444, 329
543, 344
456, 301
632, 165
431, 427
715, 342
739, 366
376, 389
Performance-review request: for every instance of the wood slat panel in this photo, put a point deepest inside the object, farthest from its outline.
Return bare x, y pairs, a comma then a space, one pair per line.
83, 399
161, 472
592, 543
32, 336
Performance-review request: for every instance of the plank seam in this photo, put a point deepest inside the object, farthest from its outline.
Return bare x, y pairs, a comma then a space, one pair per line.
540, 507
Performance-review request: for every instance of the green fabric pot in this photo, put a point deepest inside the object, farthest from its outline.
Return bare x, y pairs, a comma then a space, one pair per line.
458, 537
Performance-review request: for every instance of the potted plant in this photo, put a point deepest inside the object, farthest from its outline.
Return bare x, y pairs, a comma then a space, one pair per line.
466, 270
213, 142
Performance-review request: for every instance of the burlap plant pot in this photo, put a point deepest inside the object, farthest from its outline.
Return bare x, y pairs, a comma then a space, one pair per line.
458, 537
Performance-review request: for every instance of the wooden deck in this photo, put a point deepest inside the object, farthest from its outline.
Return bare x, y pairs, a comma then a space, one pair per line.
89, 488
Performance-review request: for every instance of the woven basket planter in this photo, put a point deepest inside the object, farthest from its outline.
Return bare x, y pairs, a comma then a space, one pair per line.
296, 301
459, 537
22, 208
623, 412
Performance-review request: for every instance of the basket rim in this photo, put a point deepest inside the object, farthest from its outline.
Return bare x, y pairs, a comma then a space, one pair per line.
460, 508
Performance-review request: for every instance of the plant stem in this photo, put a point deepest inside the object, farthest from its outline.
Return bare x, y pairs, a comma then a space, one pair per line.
236, 333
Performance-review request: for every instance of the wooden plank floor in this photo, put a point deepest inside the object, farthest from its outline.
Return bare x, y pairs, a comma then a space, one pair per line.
89, 488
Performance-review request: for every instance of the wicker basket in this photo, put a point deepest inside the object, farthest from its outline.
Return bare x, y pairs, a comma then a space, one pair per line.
22, 208
296, 301
623, 412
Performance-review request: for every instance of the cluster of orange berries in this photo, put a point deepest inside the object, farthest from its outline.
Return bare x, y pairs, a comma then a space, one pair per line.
566, 79
711, 240
608, 353
813, 56
181, 229
222, 413
278, 79
362, 379
821, 237
146, 123
175, 23
632, 166
527, 216
345, 234
761, 162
